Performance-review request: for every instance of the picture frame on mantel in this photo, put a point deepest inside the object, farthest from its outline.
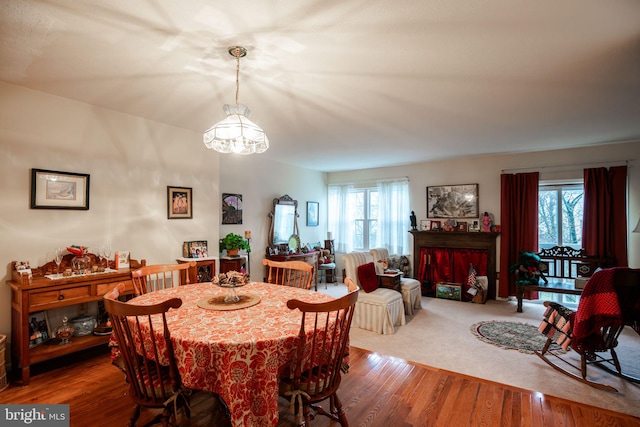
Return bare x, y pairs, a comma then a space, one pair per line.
59, 190
179, 203
452, 201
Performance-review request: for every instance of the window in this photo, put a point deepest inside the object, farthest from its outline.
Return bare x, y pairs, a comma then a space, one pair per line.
364, 204
364, 217
560, 224
560, 215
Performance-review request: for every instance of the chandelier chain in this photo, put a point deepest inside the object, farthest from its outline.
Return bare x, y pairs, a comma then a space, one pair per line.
237, 76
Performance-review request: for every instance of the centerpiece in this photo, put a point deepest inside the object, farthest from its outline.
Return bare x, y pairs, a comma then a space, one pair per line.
231, 280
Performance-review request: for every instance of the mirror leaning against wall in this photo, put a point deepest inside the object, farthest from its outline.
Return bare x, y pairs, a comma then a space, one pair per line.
284, 225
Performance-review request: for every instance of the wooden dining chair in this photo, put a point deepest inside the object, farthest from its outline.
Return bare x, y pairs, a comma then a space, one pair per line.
151, 384
150, 364
322, 342
297, 274
160, 276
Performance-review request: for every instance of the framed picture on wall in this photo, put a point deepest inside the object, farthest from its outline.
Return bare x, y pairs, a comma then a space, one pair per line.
452, 201
231, 208
179, 203
59, 190
312, 213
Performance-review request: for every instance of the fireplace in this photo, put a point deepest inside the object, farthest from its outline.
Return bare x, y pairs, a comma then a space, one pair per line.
454, 250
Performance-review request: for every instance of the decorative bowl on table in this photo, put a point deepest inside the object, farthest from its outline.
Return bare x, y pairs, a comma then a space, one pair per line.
230, 281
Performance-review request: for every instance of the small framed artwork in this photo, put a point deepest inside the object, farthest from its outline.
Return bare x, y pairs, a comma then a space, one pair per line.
452, 201
231, 208
122, 260
59, 190
179, 203
462, 226
425, 225
435, 225
312, 213
39, 330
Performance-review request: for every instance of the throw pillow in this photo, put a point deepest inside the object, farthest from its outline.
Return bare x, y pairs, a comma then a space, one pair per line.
367, 277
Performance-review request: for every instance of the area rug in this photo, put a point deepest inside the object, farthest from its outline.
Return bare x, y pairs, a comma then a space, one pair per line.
511, 335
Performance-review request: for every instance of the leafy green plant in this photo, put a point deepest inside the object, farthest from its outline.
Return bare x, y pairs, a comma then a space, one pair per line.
234, 241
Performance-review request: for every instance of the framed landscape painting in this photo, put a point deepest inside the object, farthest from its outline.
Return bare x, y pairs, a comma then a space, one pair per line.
452, 201
59, 190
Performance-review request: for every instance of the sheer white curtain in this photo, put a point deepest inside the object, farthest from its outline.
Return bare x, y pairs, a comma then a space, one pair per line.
393, 217
341, 221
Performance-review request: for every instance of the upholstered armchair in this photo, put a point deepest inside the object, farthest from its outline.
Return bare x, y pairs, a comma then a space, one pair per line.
378, 310
410, 288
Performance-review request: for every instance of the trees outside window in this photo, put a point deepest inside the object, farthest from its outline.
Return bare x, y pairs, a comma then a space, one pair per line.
560, 215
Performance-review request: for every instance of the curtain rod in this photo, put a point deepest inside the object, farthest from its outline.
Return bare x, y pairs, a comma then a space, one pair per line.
360, 181
559, 168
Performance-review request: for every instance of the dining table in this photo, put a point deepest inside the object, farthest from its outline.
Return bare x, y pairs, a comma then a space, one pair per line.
239, 351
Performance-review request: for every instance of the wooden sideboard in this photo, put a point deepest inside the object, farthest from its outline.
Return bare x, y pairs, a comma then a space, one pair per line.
39, 293
310, 257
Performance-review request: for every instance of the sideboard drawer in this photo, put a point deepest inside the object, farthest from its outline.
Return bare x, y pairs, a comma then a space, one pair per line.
108, 287
52, 297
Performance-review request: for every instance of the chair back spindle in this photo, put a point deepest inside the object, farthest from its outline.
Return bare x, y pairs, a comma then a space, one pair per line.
160, 276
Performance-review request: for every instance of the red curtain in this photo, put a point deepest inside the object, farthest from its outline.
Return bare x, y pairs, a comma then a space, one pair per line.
604, 224
519, 228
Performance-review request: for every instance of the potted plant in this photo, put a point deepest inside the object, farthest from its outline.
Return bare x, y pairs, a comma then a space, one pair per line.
232, 243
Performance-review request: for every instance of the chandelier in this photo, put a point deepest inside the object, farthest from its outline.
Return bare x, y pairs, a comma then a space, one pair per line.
236, 133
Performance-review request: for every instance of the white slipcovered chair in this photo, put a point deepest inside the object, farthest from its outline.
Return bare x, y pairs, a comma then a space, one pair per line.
380, 310
410, 288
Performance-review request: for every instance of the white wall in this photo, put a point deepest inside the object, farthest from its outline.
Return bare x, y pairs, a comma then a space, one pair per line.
260, 181
486, 172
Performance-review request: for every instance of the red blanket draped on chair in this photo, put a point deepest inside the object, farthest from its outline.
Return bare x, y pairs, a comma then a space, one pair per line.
598, 307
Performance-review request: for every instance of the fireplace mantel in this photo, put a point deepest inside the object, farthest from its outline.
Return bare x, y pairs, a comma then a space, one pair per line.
459, 240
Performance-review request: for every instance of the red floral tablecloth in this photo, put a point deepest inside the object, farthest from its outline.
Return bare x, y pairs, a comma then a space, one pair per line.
238, 354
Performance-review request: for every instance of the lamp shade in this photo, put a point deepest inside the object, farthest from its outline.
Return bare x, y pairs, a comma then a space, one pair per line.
236, 133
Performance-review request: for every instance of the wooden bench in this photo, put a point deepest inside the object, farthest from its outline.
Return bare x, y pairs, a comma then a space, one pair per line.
562, 265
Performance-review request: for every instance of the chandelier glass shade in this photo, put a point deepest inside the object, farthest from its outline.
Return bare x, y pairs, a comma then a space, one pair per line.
236, 133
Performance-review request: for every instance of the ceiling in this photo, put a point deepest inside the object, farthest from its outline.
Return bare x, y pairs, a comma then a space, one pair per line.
343, 85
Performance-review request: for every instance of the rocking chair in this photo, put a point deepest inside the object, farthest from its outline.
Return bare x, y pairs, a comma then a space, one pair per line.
610, 301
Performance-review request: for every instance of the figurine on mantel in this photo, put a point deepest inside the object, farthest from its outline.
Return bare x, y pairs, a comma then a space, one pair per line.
414, 221
486, 222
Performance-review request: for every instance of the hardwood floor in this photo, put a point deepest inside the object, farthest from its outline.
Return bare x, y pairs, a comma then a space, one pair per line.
377, 391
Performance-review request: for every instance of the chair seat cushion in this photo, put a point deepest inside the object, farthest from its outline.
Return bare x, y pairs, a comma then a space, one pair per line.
368, 277
327, 266
408, 283
381, 296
